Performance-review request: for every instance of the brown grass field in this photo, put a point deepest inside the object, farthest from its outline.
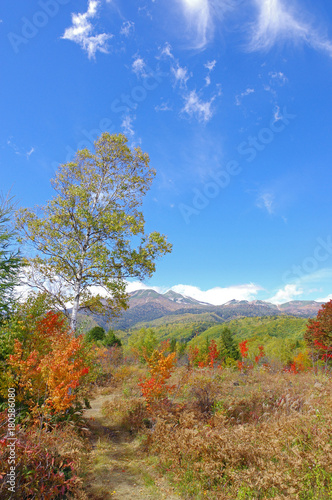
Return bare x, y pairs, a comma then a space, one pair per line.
220, 435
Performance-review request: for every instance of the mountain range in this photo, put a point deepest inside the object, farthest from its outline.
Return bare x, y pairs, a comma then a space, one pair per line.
150, 308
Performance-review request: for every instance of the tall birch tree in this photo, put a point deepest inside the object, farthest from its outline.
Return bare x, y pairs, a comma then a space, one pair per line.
90, 237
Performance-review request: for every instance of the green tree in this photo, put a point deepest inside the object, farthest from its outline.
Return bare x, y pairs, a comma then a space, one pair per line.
96, 333
173, 345
228, 347
85, 236
143, 343
10, 259
111, 339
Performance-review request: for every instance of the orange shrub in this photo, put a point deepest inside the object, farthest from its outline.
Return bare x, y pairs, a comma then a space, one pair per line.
50, 368
161, 365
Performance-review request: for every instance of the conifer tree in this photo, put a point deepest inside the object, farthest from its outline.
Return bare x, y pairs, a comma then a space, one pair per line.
228, 346
10, 259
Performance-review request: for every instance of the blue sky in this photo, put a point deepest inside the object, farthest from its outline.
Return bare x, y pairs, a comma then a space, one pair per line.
230, 98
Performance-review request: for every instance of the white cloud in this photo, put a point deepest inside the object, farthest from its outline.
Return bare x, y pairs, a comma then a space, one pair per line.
36, 278
276, 114
218, 295
164, 106
278, 21
201, 16
325, 299
248, 92
81, 31
127, 28
132, 286
302, 283
195, 107
127, 125
266, 201
29, 153
19, 151
167, 51
139, 66
286, 294
238, 98
181, 75
215, 296
210, 65
199, 21
278, 76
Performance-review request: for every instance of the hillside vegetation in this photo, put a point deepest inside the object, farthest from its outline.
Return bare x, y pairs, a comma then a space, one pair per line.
281, 335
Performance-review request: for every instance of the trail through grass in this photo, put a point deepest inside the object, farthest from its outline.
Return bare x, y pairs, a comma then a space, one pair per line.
118, 470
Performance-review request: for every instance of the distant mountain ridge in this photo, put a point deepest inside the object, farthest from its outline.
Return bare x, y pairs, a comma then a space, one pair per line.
146, 306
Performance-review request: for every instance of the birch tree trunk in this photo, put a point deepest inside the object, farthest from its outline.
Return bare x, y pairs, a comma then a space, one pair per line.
73, 319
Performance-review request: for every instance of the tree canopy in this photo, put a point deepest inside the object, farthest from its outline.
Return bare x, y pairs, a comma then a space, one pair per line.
10, 259
319, 332
90, 237
228, 346
96, 333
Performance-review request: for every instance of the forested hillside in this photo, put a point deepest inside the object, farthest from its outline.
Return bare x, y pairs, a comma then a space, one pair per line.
281, 335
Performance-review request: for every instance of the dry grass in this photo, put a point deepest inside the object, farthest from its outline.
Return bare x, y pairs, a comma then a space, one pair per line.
248, 437
224, 435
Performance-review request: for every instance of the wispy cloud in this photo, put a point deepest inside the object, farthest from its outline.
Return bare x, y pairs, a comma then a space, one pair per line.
127, 28
127, 125
238, 98
266, 201
279, 21
164, 106
138, 66
276, 114
196, 107
20, 151
82, 31
316, 277
181, 75
278, 76
199, 21
210, 65
201, 17
166, 51
29, 153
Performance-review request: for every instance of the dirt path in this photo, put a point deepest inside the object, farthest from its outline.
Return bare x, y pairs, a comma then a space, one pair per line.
119, 470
